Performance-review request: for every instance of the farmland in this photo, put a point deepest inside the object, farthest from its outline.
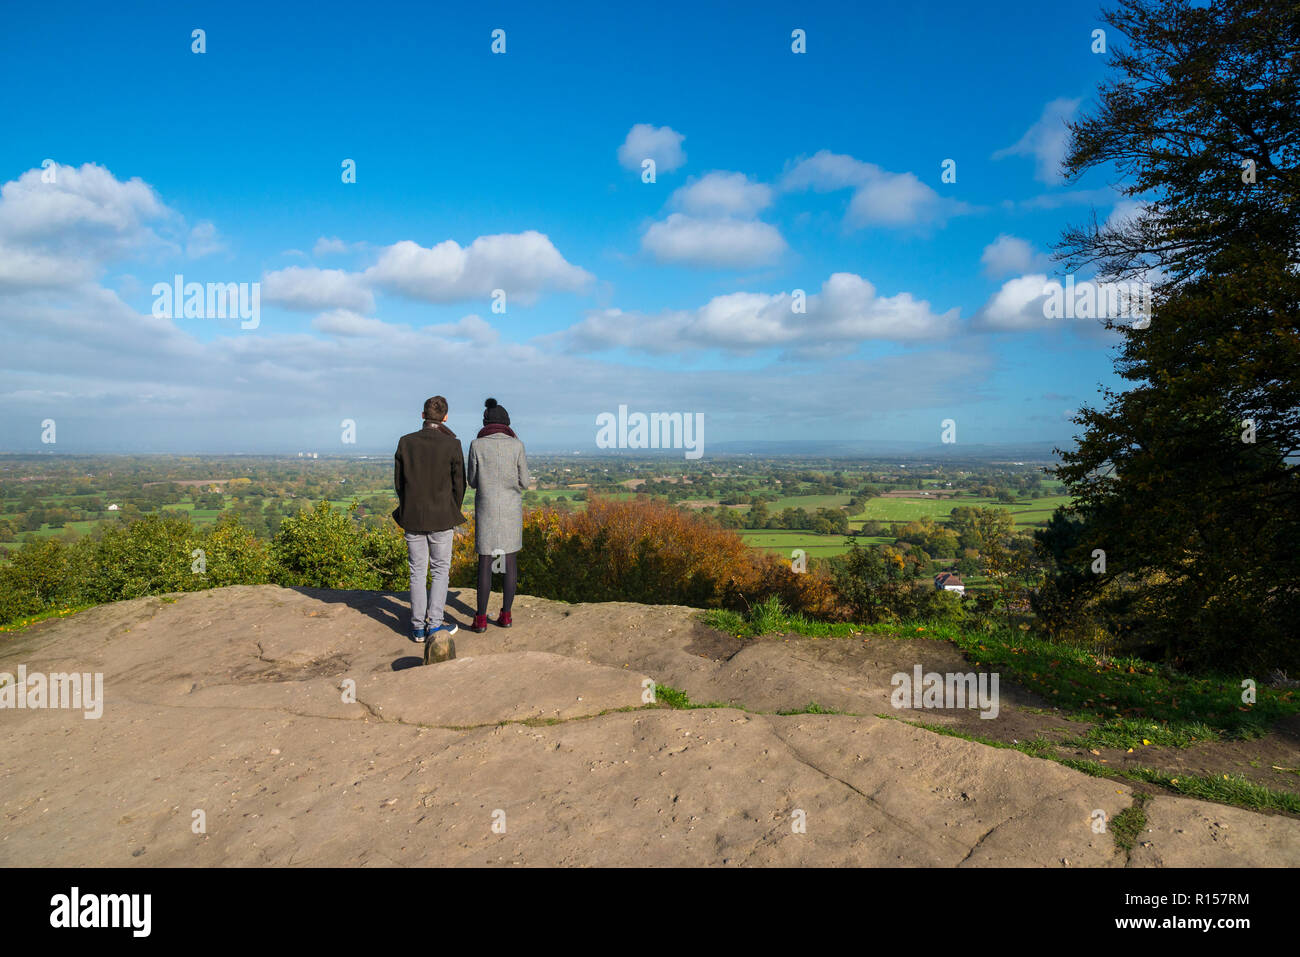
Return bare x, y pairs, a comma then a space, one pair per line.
779, 505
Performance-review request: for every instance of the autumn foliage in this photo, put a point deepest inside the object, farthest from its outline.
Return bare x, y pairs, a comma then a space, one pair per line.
647, 552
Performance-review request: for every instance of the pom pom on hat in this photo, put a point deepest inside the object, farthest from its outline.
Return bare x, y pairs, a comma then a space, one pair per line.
494, 413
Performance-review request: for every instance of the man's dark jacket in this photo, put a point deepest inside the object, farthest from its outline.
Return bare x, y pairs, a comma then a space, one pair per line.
429, 476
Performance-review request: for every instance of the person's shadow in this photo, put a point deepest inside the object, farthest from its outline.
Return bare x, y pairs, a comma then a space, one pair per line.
388, 608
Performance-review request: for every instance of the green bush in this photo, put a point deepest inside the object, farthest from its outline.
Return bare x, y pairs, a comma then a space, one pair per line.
147, 557
36, 578
234, 555
322, 548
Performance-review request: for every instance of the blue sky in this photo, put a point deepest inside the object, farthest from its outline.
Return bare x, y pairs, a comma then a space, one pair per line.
776, 171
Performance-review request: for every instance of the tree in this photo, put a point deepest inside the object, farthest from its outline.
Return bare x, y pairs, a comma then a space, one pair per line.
730, 518
145, 557
871, 582
977, 526
1187, 480
1006, 558
1200, 92
836, 518
941, 542
35, 578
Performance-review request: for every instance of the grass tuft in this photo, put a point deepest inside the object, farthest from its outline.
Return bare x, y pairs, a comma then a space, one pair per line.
812, 707
1128, 823
675, 698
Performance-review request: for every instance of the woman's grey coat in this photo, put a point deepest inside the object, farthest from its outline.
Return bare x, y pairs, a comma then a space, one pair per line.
498, 472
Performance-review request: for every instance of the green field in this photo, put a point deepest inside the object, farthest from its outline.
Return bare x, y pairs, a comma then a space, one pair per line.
1026, 511
1038, 510
809, 502
785, 542
81, 528
199, 516
550, 494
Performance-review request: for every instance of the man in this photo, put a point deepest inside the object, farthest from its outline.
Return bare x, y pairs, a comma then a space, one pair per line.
429, 476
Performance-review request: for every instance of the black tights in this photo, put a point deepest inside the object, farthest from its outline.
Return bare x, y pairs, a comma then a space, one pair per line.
485, 581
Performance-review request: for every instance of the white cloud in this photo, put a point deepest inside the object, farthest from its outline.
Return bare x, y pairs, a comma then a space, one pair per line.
825, 171
1126, 210
722, 193
1059, 198
1034, 302
471, 328
88, 198
329, 246
117, 379
689, 241
659, 143
1046, 141
345, 323
880, 198
847, 310
309, 289
204, 241
1016, 307
66, 231
893, 199
1008, 255
32, 268
523, 264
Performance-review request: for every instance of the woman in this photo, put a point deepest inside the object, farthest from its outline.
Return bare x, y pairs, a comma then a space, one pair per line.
498, 472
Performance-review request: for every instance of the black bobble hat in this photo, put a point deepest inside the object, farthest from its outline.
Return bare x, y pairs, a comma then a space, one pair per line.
494, 414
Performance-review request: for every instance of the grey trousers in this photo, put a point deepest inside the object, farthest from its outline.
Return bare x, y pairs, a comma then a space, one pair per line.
425, 551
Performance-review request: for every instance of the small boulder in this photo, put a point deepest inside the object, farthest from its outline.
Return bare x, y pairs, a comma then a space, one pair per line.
442, 648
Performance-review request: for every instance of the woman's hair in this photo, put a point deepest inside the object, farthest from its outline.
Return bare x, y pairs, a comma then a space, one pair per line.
435, 409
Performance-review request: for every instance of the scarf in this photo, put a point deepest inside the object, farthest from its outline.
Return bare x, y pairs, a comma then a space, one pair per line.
496, 428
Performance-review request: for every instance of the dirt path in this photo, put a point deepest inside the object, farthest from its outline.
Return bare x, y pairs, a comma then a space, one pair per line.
297, 728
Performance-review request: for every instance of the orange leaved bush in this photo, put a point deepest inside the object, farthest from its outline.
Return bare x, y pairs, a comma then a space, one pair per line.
647, 552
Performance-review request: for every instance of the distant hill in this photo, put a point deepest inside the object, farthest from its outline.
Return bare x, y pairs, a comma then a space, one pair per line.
867, 448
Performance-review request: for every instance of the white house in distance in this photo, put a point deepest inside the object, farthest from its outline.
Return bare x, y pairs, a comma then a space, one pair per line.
949, 581
113, 508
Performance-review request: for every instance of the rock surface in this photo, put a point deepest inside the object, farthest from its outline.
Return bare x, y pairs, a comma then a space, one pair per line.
301, 727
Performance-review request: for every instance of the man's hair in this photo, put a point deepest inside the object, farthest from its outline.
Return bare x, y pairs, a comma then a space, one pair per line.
435, 409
